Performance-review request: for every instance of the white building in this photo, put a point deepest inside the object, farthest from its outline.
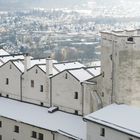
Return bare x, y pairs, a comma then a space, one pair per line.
114, 122
120, 61
22, 121
68, 90
10, 79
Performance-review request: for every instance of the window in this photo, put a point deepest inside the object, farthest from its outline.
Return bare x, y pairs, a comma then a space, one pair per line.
66, 76
7, 96
40, 136
41, 88
130, 139
76, 95
103, 74
76, 112
111, 57
16, 129
32, 83
102, 132
0, 123
41, 104
10, 66
0, 137
102, 94
7, 81
34, 135
36, 71
130, 39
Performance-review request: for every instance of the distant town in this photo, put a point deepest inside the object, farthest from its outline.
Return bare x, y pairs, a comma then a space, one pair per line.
66, 34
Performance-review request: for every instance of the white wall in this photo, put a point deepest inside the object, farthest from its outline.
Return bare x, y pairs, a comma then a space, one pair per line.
13, 89
93, 133
25, 131
63, 93
33, 94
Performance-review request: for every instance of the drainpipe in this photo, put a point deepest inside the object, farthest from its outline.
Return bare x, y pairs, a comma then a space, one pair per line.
50, 93
21, 86
82, 90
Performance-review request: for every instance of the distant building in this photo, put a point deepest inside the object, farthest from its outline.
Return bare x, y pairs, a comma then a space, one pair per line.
114, 122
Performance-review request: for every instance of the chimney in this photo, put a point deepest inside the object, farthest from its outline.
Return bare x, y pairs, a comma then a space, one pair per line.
49, 66
27, 62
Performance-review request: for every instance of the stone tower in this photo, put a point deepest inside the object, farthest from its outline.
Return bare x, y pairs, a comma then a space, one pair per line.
120, 64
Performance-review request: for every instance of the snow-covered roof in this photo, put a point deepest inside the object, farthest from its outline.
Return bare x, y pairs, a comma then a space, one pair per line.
1, 63
94, 70
68, 65
39, 61
11, 57
3, 52
19, 64
81, 74
58, 121
120, 117
43, 67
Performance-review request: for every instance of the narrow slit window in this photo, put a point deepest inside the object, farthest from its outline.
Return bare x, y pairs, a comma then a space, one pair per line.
76, 95
66, 76
41, 88
102, 132
7, 81
32, 83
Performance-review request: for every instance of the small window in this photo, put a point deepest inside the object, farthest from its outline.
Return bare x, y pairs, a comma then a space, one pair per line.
102, 94
41, 104
40, 136
41, 88
130, 39
32, 83
130, 139
10, 66
66, 76
34, 134
102, 132
0, 123
7, 81
7, 96
76, 112
0, 137
36, 71
111, 57
16, 129
76, 95
103, 74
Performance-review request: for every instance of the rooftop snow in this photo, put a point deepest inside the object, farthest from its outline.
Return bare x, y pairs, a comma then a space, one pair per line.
68, 65
39, 116
11, 57
81, 74
43, 67
39, 61
20, 65
121, 117
3, 52
95, 70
